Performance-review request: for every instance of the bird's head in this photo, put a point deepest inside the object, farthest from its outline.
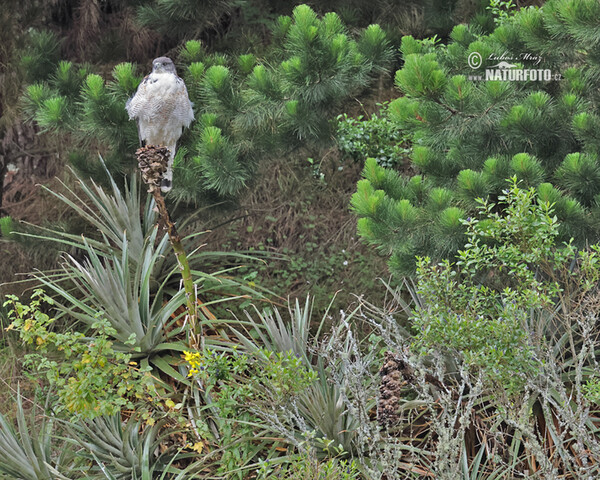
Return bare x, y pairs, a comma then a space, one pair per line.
163, 65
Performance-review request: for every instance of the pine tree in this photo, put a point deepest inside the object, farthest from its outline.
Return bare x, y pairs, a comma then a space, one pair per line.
470, 136
183, 18
246, 109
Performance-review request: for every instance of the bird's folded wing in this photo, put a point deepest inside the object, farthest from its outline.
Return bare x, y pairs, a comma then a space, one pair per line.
136, 104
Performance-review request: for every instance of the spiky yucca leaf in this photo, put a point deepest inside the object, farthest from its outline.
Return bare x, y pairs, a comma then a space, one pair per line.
28, 456
123, 450
279, 335
106, 285
111, 213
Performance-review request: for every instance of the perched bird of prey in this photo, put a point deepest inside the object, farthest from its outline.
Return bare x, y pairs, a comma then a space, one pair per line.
162, 109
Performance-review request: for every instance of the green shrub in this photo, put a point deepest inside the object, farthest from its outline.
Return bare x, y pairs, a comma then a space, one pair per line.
306, 467
478, 308
507, 332
376, 137
236, 383
91, 378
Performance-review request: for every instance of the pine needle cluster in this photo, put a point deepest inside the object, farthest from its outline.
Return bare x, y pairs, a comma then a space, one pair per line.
469, 135
246, 108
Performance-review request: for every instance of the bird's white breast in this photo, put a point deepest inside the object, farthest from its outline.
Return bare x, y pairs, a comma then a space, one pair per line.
161, 91
163, 84
162, 108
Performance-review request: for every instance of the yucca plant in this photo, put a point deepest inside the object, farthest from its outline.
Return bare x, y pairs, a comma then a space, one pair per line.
321, 412
124, 268
120, 290
277, 334
118, 275
123, 450
113, 213
34, 450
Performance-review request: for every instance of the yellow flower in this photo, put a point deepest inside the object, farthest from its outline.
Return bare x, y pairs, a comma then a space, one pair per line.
190, 356
198, 447
194, 359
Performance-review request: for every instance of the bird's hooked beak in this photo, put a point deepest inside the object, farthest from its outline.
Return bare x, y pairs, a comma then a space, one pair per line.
163, 65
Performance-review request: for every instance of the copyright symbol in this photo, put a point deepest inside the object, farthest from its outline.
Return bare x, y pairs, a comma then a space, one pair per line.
474, 60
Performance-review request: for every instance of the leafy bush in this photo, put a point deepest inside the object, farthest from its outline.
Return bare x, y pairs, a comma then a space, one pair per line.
237, 383
479, 308
91, 378
505, 343
376, 137
306, 467
502, 10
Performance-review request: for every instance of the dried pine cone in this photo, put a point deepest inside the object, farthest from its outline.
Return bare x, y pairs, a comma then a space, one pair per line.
397, 374
390, 390
152, 160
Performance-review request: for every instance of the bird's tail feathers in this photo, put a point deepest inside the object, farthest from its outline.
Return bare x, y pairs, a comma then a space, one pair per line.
167, 180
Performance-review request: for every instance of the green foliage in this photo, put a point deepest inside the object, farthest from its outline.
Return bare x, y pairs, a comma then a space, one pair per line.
309, 468
127, 302
507, 334
236, 380
245, 110
280, 373
469, 135
376, 137
91, 378
42, 55
502, 10
479, 308
33, 456
412, 205
505, 338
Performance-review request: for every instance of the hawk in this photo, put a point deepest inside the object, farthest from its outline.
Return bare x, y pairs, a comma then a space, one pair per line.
162, 108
